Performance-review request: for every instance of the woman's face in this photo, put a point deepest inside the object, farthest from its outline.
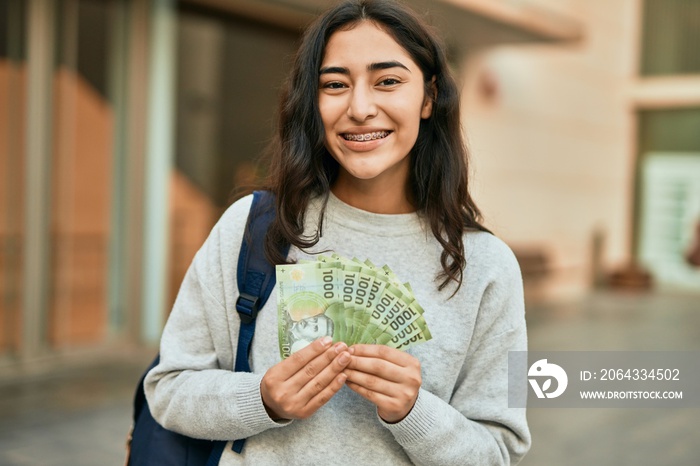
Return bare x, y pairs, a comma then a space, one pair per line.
371, 99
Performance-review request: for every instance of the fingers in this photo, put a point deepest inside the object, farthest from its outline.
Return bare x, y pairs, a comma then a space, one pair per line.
386, 377
321, 387
318, 391
387, 363
378, 384
301, 358
377, 367
393, 355
390, 408
326, 363
338, 362
301, 394
298, 386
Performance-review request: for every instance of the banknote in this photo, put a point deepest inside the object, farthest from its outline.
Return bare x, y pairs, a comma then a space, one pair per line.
349, 300
309, 304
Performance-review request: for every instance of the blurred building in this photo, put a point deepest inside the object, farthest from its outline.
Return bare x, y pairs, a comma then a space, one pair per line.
126, 125
587, 154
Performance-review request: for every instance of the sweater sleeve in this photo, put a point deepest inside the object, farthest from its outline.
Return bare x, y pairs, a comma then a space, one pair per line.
193, 390
476, 426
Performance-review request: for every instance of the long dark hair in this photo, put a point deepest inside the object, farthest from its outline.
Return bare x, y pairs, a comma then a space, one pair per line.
301, 168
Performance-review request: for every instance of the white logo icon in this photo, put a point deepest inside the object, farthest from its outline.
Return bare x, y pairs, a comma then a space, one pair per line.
542, 368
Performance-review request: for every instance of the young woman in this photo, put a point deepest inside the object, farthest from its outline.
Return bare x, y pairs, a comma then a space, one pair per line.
369, 162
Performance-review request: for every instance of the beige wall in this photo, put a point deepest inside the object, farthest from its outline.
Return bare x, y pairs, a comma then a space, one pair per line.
552, 140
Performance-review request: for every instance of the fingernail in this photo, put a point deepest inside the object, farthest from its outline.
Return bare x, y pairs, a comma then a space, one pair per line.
340, 347
325, 341
344, 358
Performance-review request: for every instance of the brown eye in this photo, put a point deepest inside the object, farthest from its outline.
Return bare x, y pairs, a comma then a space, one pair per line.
389, 82
334, 85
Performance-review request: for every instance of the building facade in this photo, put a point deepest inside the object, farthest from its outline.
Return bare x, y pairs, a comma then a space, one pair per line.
126, 126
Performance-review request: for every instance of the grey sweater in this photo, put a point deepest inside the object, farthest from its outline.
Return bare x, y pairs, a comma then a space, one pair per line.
461, 416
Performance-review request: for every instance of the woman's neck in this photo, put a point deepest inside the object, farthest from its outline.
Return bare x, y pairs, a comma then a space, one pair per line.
366, 195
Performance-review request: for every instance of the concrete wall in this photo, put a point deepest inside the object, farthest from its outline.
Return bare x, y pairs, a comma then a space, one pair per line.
552, 139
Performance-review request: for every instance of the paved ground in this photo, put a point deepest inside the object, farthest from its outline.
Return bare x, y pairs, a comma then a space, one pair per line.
640, 437
75, 419
81, 418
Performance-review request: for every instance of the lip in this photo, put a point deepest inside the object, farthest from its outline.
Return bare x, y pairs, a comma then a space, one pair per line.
364, 146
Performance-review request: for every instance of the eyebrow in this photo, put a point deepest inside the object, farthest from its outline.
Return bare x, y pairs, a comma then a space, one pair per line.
384, 65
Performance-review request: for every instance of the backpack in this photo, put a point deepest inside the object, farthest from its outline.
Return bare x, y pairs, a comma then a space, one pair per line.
149, 443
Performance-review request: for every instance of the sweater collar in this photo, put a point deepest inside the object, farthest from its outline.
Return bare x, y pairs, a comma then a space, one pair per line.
345, 215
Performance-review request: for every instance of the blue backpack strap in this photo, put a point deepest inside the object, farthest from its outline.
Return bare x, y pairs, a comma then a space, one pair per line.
216, 452
255, 275
150, 443
256, 279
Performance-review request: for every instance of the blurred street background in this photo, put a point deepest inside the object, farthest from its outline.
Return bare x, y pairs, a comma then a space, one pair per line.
127, 127
81, 416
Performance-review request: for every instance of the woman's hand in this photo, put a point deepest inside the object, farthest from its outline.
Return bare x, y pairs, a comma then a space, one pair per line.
387, 377
298, 386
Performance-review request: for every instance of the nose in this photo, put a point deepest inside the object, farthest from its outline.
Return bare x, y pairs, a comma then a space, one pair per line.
362, 105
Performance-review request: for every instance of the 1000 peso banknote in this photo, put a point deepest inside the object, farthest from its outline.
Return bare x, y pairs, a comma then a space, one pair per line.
348, 300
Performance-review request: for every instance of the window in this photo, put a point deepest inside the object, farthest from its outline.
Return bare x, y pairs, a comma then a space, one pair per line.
671, 37
670, 194
229, 76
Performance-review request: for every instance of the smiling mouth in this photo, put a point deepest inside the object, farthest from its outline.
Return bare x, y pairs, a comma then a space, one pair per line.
366, 136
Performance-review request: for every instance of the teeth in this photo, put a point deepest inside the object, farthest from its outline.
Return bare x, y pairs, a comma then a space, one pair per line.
366, 136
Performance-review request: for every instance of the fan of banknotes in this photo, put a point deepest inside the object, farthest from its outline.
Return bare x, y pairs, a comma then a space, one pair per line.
348, 300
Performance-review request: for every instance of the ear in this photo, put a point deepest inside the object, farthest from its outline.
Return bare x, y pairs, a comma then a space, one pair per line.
430, 97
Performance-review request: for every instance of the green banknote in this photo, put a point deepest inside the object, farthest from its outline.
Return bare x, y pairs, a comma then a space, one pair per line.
349, 300
309, 305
